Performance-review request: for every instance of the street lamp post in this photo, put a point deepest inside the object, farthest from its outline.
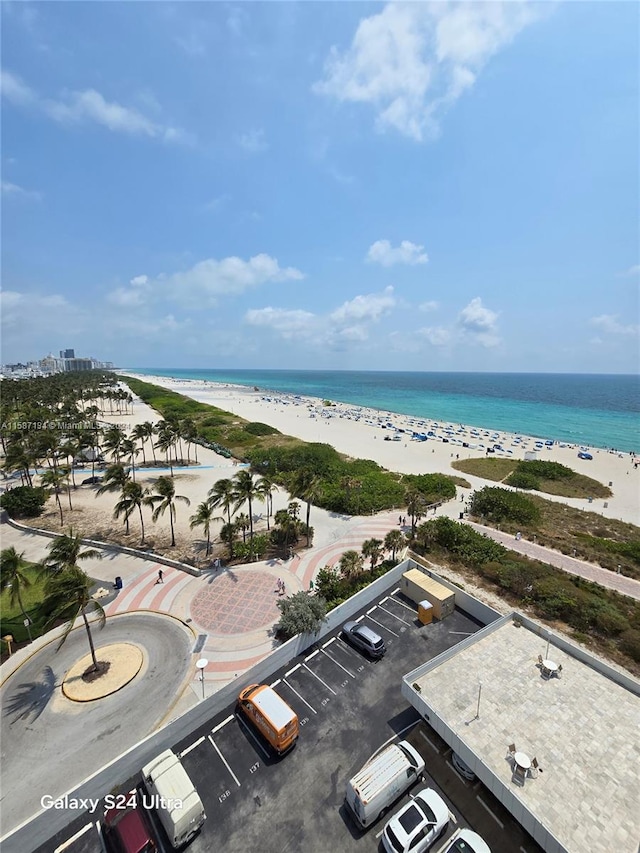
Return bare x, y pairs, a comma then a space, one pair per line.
201, 664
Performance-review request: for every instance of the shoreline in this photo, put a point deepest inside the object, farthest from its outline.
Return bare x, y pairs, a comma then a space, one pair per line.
550, 418
358, 432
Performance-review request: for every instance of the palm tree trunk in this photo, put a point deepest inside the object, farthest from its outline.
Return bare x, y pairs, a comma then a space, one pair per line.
208, 542
173, 538
69, 496
308, 517
153, 450
26, 618
141, 524
133, 468
91, 646
60, 508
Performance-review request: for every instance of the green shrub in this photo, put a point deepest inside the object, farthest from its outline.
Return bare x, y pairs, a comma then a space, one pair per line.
256, 428
24, 501
545, 470
502, 505
522, 480
630, 643
434, 487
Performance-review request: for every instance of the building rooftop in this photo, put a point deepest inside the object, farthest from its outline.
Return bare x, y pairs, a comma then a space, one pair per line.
582, 727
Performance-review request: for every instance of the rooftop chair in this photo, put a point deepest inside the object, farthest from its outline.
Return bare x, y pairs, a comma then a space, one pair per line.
511, 750
519, 774
533, 770
540, 659
559, 671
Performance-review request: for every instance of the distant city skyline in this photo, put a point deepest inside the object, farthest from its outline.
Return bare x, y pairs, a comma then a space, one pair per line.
425, 187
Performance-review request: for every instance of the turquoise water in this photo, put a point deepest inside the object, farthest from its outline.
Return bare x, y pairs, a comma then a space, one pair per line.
598, 410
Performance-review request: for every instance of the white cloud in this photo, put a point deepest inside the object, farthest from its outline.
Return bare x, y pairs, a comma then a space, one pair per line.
381, 252
139, 280
632, 271
20, 192
89, 106
430, 305
412, 59
230, 276
437, 336
289, 323
371, 306
480, 323
253, 141
609, 324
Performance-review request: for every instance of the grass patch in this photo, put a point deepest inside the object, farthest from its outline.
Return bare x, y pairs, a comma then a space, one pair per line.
11, 621
550, 478
489, 469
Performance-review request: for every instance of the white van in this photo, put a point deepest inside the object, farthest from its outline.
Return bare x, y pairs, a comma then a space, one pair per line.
170, 791
382, 780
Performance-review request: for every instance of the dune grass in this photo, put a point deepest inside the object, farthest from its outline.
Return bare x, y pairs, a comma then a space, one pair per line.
564, 483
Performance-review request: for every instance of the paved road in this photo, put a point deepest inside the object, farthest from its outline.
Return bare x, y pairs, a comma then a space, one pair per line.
49, 744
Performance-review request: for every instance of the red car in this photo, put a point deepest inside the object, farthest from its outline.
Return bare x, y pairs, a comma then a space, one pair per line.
127, 829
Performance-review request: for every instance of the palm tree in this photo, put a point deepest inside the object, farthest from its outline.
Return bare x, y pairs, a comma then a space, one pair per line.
165, 500
53, 479
65, 552
243, 523
166, 440
393, 541
139, 433
416, 507
203, 517
289, 526
128, 448
67, 596
113, 438
148, 428
115, 478
266, 488
228, 534
351, 564
372, 548
246, 489
132, 498
12, 576
222, 494
306, 485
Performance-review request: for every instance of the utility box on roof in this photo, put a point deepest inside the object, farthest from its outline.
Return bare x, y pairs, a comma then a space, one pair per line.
418, 586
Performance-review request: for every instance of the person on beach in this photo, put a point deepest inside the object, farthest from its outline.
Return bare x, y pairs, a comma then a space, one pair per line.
278, 585
160, 576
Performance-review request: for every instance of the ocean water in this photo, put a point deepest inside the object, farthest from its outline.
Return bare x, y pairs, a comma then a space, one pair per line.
596, 410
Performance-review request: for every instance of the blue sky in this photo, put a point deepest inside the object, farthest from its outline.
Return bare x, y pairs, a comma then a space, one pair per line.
425, 186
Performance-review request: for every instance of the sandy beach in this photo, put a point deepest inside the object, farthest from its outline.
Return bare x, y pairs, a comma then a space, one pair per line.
361, 432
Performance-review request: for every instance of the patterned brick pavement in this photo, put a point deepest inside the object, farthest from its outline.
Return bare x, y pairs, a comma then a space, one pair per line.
236, 603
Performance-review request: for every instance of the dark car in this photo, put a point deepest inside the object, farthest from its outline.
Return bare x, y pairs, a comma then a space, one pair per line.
584, 455
364, 639
91, 481
127, 829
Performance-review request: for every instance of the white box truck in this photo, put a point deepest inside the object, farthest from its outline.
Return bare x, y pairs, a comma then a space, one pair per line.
170, 791
383, 779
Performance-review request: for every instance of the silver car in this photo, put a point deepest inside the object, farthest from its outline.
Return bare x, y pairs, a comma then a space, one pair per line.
364, 639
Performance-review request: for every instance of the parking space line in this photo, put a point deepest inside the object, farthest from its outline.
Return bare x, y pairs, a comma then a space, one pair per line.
382, 600
313, 654
397, 589
299, 696
384, 626
494, 816
338, 664
430, 742
224, 761
320, 680
247, 729
73, 838
404, 622
297, 666
360, 618
402, 604
100, 835
275, 683
371, 609
223, 723
328, 643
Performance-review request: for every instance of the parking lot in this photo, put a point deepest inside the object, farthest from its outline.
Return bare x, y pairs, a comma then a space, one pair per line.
348, 707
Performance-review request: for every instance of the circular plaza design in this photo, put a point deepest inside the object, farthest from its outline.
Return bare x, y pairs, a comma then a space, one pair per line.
237, 603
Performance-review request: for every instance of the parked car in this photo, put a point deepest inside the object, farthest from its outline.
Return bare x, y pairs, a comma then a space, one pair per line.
364, 639
91, 481
127, 829
466, 841
584, 455
463, 769
417, 825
